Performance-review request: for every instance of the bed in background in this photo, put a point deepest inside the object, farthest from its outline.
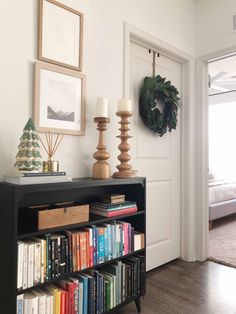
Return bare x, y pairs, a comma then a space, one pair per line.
222, 199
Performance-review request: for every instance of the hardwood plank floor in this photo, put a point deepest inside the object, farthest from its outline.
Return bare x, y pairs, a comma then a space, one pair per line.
189, 288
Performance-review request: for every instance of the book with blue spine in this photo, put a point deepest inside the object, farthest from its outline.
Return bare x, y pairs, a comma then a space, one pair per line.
114, 253
42, 174
101, 293
121, 243
94, 244
84, 280
20, 304
101, 244
90, 293
108, 241
106, 237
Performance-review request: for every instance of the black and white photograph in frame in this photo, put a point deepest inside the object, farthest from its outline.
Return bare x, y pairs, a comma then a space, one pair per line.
59, 104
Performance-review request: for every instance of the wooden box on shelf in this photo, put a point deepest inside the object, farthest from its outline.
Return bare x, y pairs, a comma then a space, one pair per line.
56, 215
15, 199
64, 214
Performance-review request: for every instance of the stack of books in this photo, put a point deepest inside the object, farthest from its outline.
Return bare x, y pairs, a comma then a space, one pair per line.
113, 205
54, 255
93, 291
31, 177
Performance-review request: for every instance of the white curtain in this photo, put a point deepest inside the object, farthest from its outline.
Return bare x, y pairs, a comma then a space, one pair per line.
222, 139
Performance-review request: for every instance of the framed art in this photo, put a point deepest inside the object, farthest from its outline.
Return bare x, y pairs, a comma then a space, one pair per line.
59, 100
60, 34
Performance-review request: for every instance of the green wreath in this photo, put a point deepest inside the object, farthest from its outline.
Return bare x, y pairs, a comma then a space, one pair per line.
156, 90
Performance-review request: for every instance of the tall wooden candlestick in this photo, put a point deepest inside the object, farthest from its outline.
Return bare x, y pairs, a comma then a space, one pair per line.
124, 169
101, 168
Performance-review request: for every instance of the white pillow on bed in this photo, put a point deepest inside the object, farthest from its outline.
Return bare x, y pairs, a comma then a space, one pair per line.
211, 176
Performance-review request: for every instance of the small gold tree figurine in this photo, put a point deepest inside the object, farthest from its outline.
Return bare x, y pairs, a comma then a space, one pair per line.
51, 147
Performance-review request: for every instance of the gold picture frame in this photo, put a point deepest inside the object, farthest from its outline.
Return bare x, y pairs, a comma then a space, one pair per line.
59, 99
60, 37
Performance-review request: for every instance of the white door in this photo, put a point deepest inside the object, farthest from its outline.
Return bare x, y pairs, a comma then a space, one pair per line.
158, 159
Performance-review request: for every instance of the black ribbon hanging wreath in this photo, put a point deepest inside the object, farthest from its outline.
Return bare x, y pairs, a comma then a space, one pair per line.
157, 90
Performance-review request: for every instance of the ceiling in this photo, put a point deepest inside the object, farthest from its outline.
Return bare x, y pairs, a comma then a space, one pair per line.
222, 75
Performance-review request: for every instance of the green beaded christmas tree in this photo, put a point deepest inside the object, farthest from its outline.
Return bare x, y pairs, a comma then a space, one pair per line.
29, 157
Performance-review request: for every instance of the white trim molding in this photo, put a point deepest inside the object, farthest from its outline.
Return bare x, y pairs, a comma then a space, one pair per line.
201, 168
133, 34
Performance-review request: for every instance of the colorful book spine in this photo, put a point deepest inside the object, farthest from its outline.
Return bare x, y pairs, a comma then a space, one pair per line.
101, 244
89, 262
114, 213
126, 238
20, 304
91, 248
83, 250
94, 244
77, 253
91, 288
48, 257
107, 295
63, 302
84, 280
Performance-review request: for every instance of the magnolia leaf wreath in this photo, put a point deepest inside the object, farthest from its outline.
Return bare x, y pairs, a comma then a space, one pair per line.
158, 104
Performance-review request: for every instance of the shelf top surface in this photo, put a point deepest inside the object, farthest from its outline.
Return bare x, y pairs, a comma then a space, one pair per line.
76, 183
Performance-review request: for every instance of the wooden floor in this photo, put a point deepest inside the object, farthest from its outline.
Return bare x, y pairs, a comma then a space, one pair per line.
189, 288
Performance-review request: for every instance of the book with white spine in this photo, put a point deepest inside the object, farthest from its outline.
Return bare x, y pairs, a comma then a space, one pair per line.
30, 262
25, 265
20, 252
37, 262
21, 180
49, 300
41, 301
30, 303
41, 266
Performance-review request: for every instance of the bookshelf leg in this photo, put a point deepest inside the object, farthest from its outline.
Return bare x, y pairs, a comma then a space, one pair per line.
138, 305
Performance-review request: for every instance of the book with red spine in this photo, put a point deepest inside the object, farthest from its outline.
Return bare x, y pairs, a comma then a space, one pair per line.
88, 245
78, 249
70, 288
115, 212
83, 250
63, 307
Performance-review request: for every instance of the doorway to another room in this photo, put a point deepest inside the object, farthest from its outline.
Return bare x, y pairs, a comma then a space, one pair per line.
222, 160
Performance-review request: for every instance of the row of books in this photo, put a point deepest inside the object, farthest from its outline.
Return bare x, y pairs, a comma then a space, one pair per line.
93, 291
54, 255
113, 209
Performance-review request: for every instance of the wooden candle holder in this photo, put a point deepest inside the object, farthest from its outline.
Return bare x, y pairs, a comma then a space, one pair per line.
101, 168
124, 169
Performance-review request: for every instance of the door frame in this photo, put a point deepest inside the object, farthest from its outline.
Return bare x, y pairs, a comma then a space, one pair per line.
187, 149
202, 146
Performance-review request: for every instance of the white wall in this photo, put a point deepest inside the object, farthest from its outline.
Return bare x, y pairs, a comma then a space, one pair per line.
171, 20
214, 26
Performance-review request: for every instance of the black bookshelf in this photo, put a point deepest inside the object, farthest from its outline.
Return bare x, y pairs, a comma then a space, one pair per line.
14, 198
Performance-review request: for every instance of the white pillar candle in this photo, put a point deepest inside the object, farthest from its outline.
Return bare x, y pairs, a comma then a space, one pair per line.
102, 107
124, 105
